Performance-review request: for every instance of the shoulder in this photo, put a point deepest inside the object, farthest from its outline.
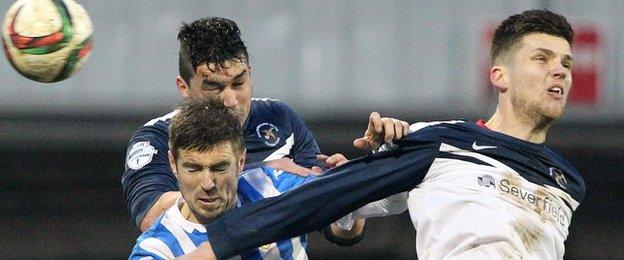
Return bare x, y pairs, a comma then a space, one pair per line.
263, 177
435, 125
155, 127
153, 243
438, 129
270, 105
162, 119
574, 183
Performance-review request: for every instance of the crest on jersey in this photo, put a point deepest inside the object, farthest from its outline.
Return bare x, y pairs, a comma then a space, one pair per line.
559, 177
140, 154
269, 133
486, 181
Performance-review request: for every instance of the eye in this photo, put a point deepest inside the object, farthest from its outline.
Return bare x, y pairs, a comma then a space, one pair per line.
209, 87
238, 85
221, 167
193, 169
540, 58
567, 65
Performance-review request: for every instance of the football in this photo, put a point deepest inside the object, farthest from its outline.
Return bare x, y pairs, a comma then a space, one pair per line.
47, 40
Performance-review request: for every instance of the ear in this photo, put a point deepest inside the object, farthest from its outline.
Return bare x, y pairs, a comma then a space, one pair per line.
498, 78
173, 164
183, 87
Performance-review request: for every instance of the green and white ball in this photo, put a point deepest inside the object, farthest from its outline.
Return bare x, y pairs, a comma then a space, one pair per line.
47, 40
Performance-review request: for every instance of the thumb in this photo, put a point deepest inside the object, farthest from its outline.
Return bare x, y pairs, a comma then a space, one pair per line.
360, 143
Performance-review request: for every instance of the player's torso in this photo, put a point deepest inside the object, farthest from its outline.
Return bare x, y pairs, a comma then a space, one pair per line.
268, 134
487, 196
181, 236
268, 131
260, 183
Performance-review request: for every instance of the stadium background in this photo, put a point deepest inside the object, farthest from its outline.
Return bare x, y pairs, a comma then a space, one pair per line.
62, 145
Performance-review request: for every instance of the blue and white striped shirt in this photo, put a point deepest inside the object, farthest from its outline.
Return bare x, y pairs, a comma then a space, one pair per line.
172, 235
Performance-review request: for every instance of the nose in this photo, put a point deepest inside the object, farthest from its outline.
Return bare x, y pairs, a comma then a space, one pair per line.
559, 71
207, 182
229, 98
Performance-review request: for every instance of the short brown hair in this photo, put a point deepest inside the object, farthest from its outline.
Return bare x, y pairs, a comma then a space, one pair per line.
202, 124
512, 29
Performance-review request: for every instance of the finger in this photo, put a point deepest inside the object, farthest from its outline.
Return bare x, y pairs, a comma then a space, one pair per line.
316, 170
321, 157
335, 159
341, 162
398, 129
365, 144
405, 128
388, 127
360, 143
374, 123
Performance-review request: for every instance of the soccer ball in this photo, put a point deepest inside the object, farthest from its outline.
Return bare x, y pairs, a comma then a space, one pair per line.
47, 40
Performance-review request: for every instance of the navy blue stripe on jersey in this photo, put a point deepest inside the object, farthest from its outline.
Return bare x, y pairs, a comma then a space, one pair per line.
247, 192
463, 158
285, 248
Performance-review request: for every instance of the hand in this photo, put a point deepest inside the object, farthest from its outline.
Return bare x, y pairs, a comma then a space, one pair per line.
332, 161
381, 130
287, 165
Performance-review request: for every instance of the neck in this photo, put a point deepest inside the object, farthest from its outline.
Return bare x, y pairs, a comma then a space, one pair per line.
514, 124
186, 212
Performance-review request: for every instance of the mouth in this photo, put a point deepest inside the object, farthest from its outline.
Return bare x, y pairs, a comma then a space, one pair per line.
556, 90
210, 202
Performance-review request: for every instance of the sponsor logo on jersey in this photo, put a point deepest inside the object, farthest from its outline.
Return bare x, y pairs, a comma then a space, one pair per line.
481, 147
486, 181
539, 200
140, 155
559, 177
269, 133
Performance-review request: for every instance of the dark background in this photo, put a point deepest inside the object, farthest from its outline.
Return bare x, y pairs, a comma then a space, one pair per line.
62, 198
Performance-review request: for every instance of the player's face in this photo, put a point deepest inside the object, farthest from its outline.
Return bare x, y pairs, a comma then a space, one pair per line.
232, 84
540, 77
208, 181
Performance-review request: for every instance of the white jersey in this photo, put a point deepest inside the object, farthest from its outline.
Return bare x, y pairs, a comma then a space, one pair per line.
473, 194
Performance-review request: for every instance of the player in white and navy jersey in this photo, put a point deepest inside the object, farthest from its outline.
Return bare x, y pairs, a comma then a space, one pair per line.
206, 157
213, 63
485, 190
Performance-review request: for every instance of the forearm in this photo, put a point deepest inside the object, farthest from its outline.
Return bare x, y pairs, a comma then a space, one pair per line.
395, 204
165, 201
345, 236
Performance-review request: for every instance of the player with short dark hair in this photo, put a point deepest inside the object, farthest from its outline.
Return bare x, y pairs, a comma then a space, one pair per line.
485, 190
213, 62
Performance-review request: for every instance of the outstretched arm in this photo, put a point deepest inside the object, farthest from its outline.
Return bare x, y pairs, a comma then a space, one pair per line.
342, 190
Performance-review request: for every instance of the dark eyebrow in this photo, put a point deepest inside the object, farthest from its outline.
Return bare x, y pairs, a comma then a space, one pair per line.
191, 165
212, 83
219, 85
548, 52
240, 75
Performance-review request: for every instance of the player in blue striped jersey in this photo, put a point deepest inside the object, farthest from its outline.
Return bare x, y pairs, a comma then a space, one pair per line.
174, 235
206, 156
485, 190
